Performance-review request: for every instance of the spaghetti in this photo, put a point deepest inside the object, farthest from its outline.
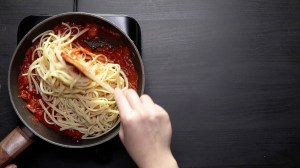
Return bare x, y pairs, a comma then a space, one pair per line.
70, 99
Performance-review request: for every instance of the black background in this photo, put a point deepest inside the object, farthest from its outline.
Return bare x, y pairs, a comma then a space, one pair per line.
227, 71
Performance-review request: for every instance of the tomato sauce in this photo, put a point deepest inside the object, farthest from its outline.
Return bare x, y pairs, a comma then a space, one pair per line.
111, 48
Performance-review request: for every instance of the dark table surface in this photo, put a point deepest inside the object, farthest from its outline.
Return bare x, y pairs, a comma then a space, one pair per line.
227, 71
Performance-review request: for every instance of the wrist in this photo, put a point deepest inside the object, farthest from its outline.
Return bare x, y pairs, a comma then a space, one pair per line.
164, 159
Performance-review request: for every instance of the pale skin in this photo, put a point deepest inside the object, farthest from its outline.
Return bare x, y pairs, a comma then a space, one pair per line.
145, 130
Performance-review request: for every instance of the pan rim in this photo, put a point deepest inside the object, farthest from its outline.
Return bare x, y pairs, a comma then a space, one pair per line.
117, 127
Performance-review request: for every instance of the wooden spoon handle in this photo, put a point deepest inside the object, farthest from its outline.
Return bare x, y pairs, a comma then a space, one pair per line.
13, 144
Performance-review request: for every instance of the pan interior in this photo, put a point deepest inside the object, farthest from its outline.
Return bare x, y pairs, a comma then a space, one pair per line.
26, 116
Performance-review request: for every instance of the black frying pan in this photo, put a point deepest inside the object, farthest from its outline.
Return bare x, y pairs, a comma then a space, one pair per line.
21, 137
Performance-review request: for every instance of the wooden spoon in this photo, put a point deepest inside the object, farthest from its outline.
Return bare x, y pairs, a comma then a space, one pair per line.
86, 72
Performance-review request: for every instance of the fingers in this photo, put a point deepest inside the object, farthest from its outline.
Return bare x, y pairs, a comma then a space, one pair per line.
134, 100
129, 102
11, 166
121, 133
122, 103
148, 103
160, 109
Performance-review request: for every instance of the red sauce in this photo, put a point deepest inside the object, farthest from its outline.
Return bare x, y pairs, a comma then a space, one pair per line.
112, 48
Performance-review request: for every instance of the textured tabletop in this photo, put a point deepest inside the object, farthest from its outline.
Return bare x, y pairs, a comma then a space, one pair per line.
227, 72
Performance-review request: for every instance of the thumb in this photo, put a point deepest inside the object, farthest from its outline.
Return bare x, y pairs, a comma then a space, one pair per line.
121, 133
11, 166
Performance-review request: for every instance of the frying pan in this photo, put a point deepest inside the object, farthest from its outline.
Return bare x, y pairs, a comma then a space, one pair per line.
22, 136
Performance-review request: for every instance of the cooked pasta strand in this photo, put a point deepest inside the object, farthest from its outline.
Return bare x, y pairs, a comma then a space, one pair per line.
70, 99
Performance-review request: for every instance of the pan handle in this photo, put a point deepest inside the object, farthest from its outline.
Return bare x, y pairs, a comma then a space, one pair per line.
14, 143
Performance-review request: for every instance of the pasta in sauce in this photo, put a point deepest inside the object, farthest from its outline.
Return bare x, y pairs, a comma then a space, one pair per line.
64, 99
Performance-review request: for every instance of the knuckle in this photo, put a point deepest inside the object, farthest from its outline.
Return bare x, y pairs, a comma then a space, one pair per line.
164, 116
145, 96
130, 92
145, 116
133, 118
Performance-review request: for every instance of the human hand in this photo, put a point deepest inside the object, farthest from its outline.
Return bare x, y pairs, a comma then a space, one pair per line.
11, 166
145, 130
